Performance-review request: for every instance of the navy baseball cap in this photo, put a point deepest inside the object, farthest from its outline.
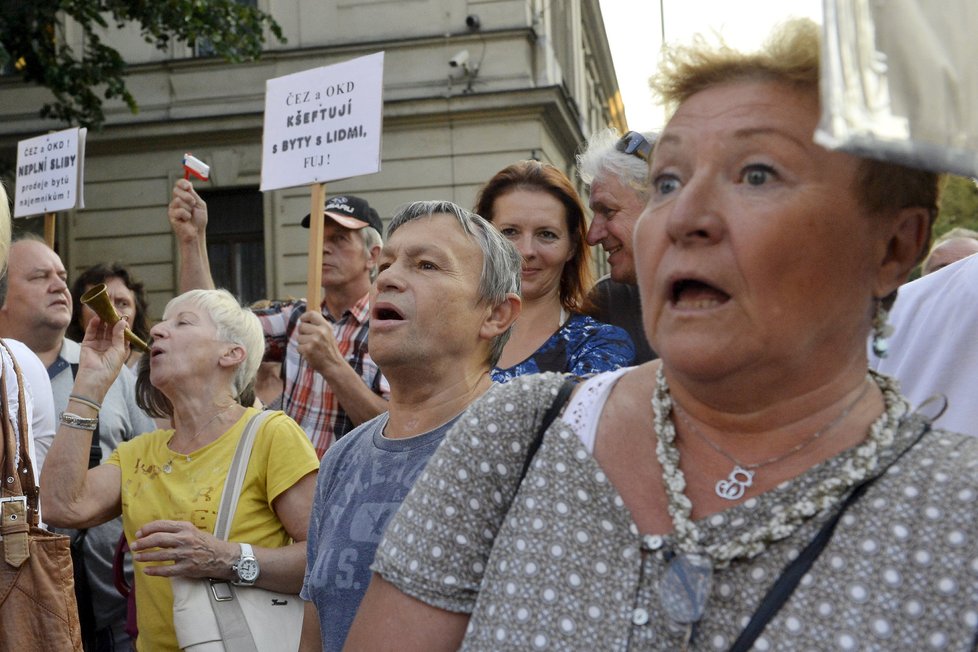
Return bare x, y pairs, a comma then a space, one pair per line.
351, 212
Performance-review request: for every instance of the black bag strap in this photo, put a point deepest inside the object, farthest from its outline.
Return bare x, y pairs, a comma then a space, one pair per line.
778, 594
95, 452
287, 399
562, 395
297, 312
790, 577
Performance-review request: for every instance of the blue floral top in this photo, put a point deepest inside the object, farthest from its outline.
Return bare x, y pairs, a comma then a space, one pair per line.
581, 346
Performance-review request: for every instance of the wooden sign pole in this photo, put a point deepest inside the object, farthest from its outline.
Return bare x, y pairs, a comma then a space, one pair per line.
49, 224
314, 279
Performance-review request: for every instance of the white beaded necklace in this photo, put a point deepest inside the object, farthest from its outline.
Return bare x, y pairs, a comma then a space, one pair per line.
686, 585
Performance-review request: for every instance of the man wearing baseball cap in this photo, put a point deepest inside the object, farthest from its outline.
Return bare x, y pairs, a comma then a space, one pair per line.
331, 383
349, 211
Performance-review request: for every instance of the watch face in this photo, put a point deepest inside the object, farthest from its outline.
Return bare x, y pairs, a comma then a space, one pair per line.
248, 570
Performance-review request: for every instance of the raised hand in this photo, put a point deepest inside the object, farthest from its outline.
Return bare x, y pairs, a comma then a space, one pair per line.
103, 352
187, 212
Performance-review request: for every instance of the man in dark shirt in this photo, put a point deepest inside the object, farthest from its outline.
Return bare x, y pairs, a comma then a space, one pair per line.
616, 170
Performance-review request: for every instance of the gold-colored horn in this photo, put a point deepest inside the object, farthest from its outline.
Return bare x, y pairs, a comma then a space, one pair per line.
97, 298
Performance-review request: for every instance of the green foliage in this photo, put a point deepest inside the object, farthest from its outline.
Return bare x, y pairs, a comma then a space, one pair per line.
32, 41
959, 206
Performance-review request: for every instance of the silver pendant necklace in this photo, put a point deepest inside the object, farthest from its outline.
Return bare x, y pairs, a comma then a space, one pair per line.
168, 467
741, 478
686, 585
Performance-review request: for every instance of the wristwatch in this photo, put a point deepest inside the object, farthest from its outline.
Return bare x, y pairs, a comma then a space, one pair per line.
246, 568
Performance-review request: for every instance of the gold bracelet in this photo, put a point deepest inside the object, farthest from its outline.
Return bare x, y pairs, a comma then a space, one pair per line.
81, 400
78, 422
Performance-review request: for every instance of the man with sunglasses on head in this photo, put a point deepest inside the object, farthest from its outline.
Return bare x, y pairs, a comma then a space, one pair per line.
616, 171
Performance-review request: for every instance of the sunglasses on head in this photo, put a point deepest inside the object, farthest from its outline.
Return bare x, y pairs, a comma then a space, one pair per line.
635, 144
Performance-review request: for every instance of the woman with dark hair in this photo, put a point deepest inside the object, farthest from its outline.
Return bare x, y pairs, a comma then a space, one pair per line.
535, 206
126, 293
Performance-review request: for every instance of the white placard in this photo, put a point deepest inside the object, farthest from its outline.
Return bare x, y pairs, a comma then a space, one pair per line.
50, 173
323, 124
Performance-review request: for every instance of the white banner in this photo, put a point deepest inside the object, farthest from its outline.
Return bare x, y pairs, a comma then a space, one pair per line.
50, 173
323, 124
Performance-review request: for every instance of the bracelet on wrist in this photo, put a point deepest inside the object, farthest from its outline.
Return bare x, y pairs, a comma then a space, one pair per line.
81, 423
81, 400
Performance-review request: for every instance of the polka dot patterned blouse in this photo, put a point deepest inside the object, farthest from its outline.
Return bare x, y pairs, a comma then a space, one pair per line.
562, 566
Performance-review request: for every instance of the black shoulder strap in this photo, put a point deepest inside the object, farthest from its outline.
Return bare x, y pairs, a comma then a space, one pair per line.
95, 452
294, 318
786, 584
297, 311
562, 395
778, 595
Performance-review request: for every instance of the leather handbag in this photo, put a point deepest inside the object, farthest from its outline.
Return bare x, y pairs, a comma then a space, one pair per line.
215, 615
37, 591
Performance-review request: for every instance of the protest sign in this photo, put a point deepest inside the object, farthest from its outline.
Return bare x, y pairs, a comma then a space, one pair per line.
50, 173
323, 124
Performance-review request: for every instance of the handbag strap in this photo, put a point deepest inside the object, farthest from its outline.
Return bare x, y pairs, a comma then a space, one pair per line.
790, 577
558, 404
21, 469
18, 488
236, 474
231, 620
10, 484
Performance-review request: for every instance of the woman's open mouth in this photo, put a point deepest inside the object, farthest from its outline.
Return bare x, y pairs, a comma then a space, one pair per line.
693, 294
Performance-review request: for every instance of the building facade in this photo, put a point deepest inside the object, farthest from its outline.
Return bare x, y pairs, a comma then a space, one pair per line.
536, 81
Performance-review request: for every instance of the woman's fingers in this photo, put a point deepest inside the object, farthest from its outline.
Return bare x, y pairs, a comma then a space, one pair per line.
157, 534
193, 553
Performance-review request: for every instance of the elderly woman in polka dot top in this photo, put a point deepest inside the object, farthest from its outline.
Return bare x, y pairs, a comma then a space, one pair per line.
757, 488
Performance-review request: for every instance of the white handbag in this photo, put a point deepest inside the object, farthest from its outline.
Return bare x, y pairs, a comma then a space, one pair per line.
217, 616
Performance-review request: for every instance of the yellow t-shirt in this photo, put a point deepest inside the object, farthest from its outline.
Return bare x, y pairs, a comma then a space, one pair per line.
191, 491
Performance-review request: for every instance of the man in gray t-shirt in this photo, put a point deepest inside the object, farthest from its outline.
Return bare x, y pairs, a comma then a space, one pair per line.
441, 310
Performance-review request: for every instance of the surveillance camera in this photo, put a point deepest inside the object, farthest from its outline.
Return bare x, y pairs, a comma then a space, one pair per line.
472, 22
460, 59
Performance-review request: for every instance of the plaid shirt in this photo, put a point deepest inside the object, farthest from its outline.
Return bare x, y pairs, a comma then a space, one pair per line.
307, 397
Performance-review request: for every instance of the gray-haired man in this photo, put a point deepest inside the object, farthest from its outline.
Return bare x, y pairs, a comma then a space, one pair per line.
617, 171
445, 297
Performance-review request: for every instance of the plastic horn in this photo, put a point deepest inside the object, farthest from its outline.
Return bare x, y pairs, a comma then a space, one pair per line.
97, 298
